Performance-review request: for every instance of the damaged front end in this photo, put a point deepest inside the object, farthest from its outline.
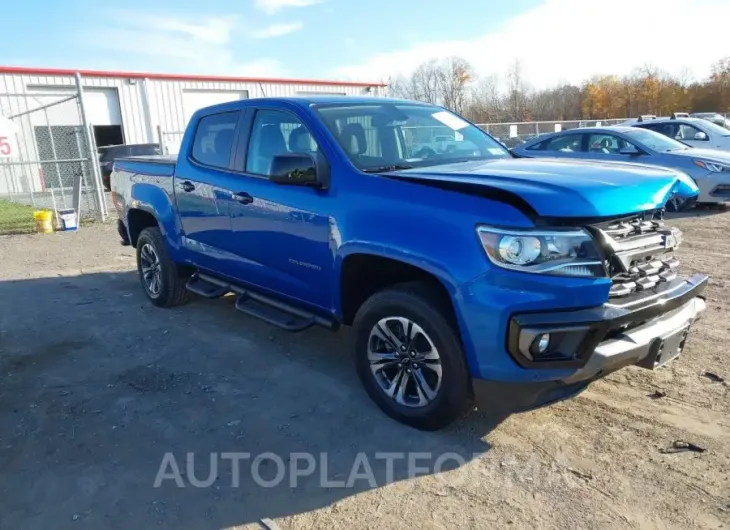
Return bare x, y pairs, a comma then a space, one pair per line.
645, 320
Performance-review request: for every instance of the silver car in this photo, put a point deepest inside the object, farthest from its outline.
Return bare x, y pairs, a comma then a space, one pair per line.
710, 168
696, 132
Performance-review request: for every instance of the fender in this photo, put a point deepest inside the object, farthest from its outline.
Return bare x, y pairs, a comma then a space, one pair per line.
155, 195
420, 261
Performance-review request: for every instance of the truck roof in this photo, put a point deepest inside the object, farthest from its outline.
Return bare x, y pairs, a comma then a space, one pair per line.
312, 100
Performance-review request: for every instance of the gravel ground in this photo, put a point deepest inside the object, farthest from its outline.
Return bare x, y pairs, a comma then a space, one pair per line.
98, 385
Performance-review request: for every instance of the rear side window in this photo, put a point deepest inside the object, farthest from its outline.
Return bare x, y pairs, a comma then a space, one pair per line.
214, 138
570, 143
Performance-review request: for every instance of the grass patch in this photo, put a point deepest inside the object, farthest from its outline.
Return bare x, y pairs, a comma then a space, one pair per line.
16, 218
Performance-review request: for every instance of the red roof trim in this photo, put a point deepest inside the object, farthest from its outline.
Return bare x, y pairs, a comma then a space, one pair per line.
178, 77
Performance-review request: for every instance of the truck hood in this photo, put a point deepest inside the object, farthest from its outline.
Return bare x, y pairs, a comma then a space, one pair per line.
560, 188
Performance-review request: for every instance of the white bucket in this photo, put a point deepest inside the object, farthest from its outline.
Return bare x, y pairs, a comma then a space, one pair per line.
68, 219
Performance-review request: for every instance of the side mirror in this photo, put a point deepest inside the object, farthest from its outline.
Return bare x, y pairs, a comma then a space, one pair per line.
700, 136
629, 150
294, 170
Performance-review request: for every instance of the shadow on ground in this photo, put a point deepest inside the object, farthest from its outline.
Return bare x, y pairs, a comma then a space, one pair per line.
97, 386
702, 210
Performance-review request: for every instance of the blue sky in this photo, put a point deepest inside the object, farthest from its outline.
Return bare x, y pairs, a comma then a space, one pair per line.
555, 40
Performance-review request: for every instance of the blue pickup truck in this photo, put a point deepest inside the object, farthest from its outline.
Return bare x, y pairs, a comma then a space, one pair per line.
453, 267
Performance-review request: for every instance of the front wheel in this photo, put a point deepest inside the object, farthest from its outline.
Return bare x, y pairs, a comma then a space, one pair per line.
163, 281
409, 356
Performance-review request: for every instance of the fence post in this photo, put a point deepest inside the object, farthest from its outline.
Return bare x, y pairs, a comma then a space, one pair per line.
95, 172
159, 139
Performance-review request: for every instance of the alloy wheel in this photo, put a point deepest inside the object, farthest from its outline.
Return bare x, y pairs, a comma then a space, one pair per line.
404, 361
150, 265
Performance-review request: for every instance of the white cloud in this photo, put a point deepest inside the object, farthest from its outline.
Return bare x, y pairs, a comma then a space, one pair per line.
272, 6
571, 40
277, 30
179, 45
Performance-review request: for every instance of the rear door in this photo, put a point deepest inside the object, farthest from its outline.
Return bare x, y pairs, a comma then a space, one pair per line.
203, 190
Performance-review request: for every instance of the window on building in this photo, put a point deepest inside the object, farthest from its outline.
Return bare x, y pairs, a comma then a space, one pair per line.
214, 138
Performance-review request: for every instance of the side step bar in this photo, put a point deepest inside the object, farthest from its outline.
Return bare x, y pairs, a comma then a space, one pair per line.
261, 306
204, 288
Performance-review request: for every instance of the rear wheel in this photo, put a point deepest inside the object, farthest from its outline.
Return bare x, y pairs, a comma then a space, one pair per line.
162, 279
409, 357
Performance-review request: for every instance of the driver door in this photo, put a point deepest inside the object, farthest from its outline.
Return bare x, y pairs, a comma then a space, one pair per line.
281, 234
692, 135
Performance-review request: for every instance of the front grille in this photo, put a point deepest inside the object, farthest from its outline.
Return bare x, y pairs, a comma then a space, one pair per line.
638, 254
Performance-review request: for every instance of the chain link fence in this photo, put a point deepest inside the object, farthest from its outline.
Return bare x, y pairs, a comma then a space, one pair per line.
47, 160
514, 133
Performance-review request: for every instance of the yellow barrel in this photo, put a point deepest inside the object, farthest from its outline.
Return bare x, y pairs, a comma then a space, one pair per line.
43, 221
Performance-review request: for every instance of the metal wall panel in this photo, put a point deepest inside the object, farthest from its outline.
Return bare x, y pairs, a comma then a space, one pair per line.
164, 106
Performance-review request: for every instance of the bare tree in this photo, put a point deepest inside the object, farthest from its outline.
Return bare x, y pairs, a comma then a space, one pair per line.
452, 83
454, 76
424, 84
444, 83
485, 101
517, 92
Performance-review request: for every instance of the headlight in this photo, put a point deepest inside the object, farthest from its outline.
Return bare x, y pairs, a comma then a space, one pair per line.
567, 253
712, 166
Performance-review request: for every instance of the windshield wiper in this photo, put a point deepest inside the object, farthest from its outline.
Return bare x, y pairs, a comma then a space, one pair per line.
383, 169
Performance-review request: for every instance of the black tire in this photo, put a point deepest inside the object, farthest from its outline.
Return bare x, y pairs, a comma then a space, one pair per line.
425, 306
171, 280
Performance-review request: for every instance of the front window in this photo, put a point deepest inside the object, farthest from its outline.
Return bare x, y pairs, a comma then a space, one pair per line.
655, 141
275, 133
401, 135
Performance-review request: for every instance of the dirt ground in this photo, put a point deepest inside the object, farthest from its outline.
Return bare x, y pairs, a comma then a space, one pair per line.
96, 386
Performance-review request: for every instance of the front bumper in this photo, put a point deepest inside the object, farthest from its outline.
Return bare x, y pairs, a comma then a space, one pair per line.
593, 342
714, 188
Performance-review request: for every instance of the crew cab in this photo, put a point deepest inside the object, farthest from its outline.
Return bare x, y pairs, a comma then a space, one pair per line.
453, 268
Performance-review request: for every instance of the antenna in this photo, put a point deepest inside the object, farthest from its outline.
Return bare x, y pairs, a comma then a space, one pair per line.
261, 86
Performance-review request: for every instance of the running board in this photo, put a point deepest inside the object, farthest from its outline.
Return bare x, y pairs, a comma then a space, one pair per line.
206, 289
271, 310
272, 315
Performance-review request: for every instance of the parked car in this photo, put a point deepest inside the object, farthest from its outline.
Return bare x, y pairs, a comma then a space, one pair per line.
438, 145
692, 131
714, 117
709, 168
452, 269
108, 154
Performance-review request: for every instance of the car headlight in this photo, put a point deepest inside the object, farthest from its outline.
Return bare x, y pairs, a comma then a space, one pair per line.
712, 166
562, 252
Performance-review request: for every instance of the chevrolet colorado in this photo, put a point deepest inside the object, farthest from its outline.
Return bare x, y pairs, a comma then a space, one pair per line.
453, 268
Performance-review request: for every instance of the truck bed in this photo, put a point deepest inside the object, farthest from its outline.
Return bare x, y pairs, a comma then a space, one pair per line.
156, 165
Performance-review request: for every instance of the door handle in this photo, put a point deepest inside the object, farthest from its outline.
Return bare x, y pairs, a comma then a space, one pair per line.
242, 197
187, 186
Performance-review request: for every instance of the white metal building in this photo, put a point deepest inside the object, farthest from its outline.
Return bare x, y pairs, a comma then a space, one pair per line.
127, 107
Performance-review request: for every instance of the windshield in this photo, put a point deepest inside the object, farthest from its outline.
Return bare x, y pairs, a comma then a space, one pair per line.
715, 129
388, 136
655, 141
